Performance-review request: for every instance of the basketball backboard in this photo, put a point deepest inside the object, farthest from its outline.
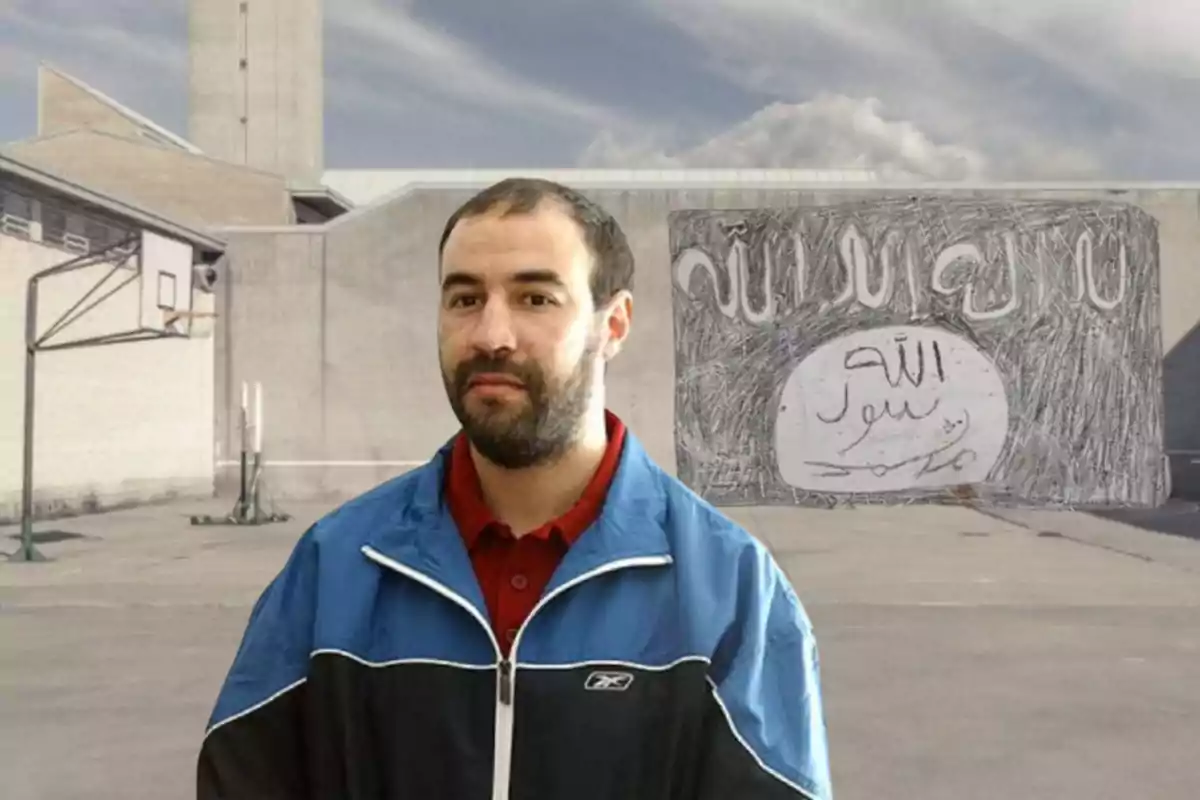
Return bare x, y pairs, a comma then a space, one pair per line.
165, 269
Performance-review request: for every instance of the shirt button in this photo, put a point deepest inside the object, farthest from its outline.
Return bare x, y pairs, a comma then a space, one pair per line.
511, 635
519, 582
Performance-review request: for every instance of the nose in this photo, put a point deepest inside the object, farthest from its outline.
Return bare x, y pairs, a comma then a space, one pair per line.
493, 331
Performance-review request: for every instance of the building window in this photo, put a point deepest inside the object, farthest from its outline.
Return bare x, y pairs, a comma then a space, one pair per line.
75, 237
16, 214
74, 232
98, 234
54, 225
102, 236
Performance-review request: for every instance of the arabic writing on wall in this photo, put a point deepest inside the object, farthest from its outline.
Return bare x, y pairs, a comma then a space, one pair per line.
890, 408
984, 277
890, 347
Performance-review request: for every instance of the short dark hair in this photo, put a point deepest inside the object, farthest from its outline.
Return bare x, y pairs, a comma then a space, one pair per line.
613, 269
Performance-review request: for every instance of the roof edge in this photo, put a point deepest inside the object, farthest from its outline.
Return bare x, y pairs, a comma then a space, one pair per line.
200, 155
322, 192
1110, 187
144, 217
123, 110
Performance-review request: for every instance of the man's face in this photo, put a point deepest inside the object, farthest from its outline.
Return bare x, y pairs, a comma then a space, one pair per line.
520, 341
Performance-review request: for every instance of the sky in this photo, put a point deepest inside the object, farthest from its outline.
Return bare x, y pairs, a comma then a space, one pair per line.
938, 89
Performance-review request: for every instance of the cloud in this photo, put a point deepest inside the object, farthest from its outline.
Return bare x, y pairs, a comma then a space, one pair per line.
417, 54
113, 45
1114, 33
100, 35
12, 65
834, 132
1082, 34
1050, 90
941, 88
830, 131
384, 64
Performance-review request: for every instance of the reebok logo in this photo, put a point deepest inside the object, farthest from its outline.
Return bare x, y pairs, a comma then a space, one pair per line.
608, 681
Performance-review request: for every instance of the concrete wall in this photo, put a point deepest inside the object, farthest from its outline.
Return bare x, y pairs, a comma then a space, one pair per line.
115, 424
256, 84
271, 329
191, 189
361, 398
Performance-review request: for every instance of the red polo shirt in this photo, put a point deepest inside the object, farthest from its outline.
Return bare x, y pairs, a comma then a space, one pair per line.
513, 572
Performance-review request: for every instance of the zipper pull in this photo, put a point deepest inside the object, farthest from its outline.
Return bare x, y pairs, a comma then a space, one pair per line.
506, 682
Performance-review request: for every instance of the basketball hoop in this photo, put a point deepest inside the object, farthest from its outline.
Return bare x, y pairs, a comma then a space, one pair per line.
192, 324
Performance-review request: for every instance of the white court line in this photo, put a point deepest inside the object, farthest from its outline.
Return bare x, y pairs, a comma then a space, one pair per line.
270, 463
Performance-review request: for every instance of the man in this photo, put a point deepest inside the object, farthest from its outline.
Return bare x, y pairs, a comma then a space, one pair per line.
540, 612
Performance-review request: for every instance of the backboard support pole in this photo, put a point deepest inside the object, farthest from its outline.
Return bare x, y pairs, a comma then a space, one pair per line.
28, 551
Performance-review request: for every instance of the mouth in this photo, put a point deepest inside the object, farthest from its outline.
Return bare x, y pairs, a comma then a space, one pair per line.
494, 381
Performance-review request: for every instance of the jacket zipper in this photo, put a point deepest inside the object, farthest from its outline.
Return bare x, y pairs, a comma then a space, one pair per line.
503, 746
506, 682
506, 665
504, 711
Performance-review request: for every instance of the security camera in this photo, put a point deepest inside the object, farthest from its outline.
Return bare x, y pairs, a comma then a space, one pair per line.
204, 277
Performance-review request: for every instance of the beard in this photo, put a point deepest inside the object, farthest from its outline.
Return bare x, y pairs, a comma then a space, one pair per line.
533, 430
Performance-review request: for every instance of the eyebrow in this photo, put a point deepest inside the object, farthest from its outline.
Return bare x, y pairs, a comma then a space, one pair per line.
545, 276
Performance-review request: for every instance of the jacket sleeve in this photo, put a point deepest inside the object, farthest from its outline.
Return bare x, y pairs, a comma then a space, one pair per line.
765, 734
253, 748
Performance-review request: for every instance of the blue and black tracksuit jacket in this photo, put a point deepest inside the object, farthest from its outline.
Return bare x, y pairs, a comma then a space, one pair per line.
668, 659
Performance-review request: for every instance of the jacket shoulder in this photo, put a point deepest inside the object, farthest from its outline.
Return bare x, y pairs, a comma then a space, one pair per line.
695, 524
721, 558
352, 524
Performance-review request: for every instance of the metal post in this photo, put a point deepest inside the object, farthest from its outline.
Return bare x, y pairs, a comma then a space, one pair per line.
248, 510
240, 509
243, 493
28, 551
256, 507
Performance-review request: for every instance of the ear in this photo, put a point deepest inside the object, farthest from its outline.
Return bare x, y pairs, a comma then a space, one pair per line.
618, 317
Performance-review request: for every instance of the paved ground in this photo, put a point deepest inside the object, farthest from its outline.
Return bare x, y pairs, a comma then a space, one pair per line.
1032, 655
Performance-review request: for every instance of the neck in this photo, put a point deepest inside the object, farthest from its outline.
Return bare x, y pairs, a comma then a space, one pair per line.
525, 499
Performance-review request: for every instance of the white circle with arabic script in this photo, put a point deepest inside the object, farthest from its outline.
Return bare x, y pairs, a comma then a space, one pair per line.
890, 409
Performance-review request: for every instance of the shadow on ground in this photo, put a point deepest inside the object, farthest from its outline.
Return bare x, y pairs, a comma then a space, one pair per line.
1177, 517
50, 537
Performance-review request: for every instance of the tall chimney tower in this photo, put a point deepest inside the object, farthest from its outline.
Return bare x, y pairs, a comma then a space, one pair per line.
256, 84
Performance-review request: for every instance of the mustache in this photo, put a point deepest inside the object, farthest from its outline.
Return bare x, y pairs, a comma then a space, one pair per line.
493, 365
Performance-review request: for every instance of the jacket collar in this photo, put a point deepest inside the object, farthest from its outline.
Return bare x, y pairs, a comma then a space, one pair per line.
423, 537
471, 514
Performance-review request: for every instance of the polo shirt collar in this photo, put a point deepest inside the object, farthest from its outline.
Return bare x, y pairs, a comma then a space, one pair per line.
464, 495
